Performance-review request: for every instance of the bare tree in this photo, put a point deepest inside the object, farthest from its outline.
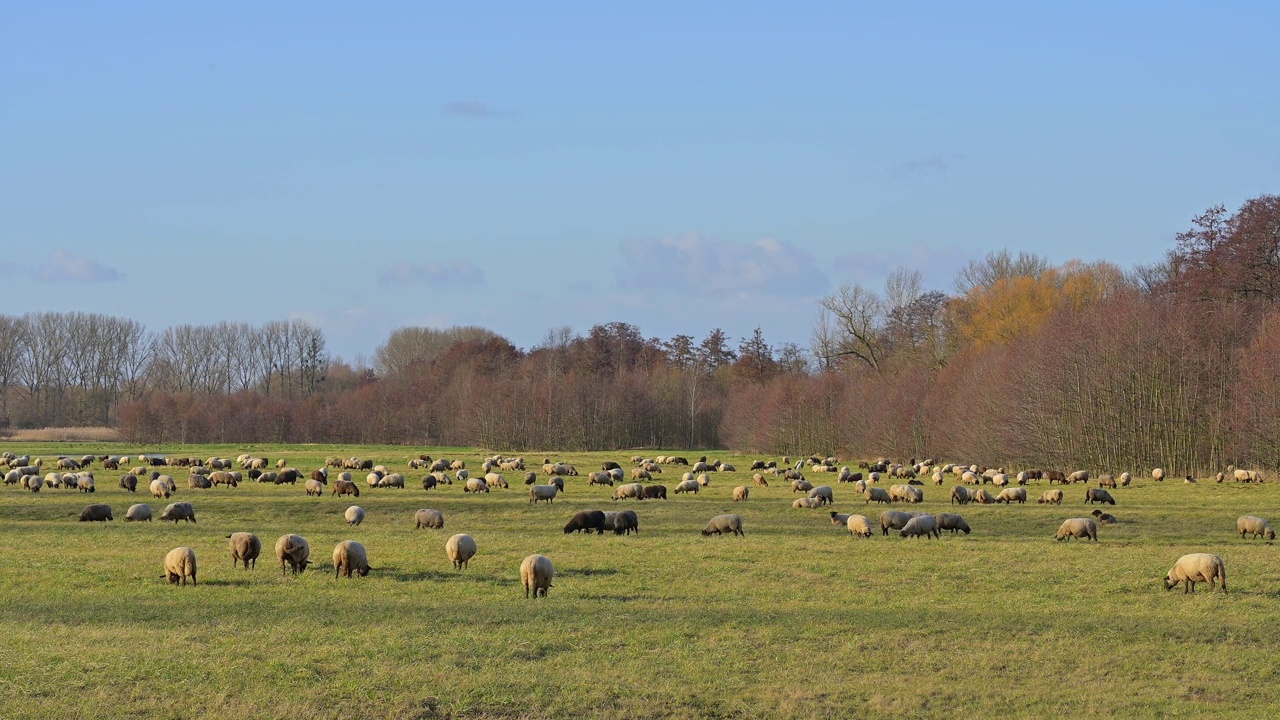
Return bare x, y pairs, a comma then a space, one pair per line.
852, 320
999, 265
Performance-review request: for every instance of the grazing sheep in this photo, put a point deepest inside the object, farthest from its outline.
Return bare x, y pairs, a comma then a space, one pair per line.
999, 479
982, 497
460, 548
803, 486
138, 513
1126, 478
373, 479
1255, 525
626, 522
759, 480
1078, 528
655, 492
807, 503
1194, 568
245, 548
395, 480
740, 493
475, 485
632, 490
180, 564
96, 513
877, 494
724, 524
128, 482
222, 477
1012, 495
293, 550
315, 487
536, 574
1106, 480
960, 495
495, 480
199, 482
586, 520
1056, 476
704, 480
970, 478
160, 488
350, 557
1104, 518
901, 493
1051, 496
1093, 495
952, 522
345, 487
34, 483
858, 525
270, 477
1158, 474
688, 486
824, 494
558, 482
354, 515
1189, 480
618, 475
894, 520
178, 511
600, 478
428, 518
542, 492
1078, 476
926, 525
289, 476
530, 477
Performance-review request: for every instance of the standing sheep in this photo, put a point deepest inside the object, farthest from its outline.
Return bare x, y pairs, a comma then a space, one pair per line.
138, 513
952, 522
1078, 528
1257, 526
1158, 474
740, 493
460, 548
294, 551
350, 557
129, 482
859, 525
354, 515
314, 487
1126, 478
877, 494
655, 492
1093, 495
631, 490
476, 485
159, 489
960, 495
179, 565
586, 521
542, 492
894, 520
178, 511
626, 522
536, 573
1051, 497
245, 548
1012, 495
686, 486
1194, 568
926, 525
428, 518
724, 524
823, 494
96, 513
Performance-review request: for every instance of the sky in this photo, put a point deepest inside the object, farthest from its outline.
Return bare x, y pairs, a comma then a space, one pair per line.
678, 166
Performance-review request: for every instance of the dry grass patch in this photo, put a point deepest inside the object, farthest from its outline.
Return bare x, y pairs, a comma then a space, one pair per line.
66, 434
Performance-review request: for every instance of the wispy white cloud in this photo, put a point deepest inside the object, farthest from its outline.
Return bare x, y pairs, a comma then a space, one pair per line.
69, 267
433, 273
706, 267
472, 109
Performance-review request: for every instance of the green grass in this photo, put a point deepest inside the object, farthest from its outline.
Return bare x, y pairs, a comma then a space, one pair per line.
797, 619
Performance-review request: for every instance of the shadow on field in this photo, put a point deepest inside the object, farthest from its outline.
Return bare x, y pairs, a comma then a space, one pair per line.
587, 572
437, 575
228, 583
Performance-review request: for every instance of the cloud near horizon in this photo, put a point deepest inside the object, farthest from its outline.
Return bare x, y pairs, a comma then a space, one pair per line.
432, 273
708, 267
64, 266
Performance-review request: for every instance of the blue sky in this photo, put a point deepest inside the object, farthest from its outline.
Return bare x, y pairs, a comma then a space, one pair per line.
679, 166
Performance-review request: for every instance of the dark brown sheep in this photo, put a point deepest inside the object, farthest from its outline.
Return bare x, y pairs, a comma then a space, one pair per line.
587, 520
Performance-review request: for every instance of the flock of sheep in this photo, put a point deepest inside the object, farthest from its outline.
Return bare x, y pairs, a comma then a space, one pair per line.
536, 571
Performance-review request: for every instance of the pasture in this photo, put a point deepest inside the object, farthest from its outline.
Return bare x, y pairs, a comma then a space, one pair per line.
795, 620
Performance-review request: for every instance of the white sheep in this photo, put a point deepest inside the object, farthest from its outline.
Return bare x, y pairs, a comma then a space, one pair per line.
740, 493
354, 515
1196, 567
1051, 497
630, 490
960, 495
952, 522
1078, 528
686, 486
877, 494
823, 494
294, 551
179, 565
429, 518
1011, 495
926, 525
1257, 526
809, 503
350, 557
536, 573
542, 492
245, 548
460, 548
724, 524
138, 513
859, 525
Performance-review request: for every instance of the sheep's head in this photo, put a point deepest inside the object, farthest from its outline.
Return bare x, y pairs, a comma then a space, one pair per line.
1169, 583
1271, 534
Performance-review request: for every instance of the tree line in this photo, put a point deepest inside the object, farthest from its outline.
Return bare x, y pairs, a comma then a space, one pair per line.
1022, 362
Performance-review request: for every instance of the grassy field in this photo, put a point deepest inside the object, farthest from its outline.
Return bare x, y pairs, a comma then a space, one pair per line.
796, 620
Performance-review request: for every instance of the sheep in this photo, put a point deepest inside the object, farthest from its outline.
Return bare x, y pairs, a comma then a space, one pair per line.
428, 518
373, 479
350, 557
600, 478
1078, 528
294, 551
1126, 478
806, 503
952, 522
618, 474
199, 482
129, 482
926, 525
894, 520
1107, 480
536, 574
740, 493
1009, 496
759, 480
1189, 480
626, 522
530, 478
96, 513
824, 494
159, 489
982, 497
314, 487
460, 548
354, 515
1000, 479
476, 485
1158, 474
688, 486
969, 478
608, 465
290, 476
1255, 525
858, 525
1194, 568
345, 487
839, 519
245, 548
1051, 496
458, 465
34, 483
724, 524
178, 511
586, 520
495, 480
803, 486
138, 513
877, 494
700, 467
631, 490
270, 477
1104, 518
960, 495
395, 480
652, 468
1093, 495
1056, 476
180, 564
1078, 476
542, 492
